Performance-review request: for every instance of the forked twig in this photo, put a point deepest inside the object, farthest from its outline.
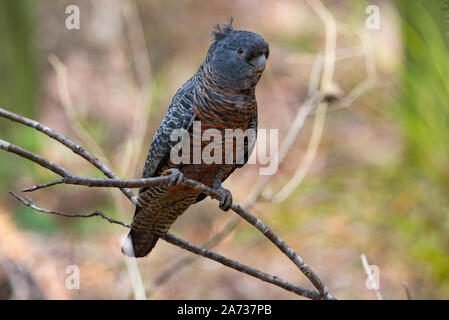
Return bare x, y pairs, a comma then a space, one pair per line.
192, 248
69, 178
323, 68
30, 203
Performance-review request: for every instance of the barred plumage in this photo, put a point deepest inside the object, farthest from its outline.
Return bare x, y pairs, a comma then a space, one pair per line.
221, 95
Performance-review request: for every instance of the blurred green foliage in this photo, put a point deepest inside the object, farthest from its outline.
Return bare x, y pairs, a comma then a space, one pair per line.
18, 88
19, 83
398, 210
423, 112
397, 213
423, 115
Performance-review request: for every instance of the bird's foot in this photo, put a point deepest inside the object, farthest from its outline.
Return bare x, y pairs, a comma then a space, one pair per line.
175, 176
226, 198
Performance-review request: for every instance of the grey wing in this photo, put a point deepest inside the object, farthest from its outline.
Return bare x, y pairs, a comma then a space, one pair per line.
179, 115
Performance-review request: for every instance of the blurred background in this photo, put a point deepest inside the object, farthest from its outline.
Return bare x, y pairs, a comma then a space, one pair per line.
378, 183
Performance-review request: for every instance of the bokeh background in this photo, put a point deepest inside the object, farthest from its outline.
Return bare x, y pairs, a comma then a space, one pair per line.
378, 184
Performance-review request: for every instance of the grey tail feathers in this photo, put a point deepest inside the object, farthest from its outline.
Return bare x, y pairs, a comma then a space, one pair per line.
139, 243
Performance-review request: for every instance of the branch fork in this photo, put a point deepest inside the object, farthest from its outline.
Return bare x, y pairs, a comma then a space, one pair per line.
112, 181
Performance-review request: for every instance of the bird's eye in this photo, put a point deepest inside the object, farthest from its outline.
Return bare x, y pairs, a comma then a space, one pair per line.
240, 51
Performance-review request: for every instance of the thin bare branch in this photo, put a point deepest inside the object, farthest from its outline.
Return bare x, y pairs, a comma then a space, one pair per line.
6, 146
312, 148
69, 178
70, 110
128, 159
43, 185
327, 87
330, 44
30, 203
311, 294
77, 149
255, 194
245, 269
142, 66
186, 260
407, 291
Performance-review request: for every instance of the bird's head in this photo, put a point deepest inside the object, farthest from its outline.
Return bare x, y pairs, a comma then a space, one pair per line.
236, 58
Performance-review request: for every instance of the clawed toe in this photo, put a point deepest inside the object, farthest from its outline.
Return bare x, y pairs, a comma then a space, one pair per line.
226, 200
175, 177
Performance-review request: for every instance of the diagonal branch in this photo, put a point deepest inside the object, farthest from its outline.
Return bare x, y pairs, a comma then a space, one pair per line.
69, 178
209, 244
245, 269
192, 248
30, 203
314, 97
77, 149
318, 93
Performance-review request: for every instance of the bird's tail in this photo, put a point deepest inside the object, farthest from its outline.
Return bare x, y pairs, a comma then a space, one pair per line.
139, 243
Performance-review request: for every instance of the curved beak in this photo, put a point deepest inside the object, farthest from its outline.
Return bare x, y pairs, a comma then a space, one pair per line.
259, 62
